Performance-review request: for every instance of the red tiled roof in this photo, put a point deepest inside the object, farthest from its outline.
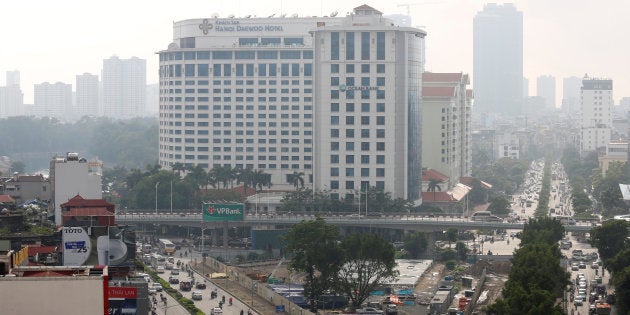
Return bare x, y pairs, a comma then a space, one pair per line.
78, 201
365, 7
441, 77
438, 196
91, 211
6, 199
430, 174
438, 91
467, 180
48, 273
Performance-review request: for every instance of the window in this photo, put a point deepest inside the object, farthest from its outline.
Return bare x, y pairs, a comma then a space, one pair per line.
202, 70
380, 172
365, 68
249, 54
334, 146
290, 54
334, 107
365, 46
365, 146
350, 120
349, 146
334, 45
380, 133
380, 146
380, 107
365, 133
349, 107
222, 55
380, 68
334, 171
380, 159
365, 120
334, 94
334, 133
380, 120
334, 120
380, 81
380, 45
349, 184
350, 172
334, 159
350, 159
349, 68
349, 45
365, 172
334, 184
334, 68
349, 133
334, 81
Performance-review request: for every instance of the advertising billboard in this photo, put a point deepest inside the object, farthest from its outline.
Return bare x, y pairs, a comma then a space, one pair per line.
98, 245
123, 300
223, 212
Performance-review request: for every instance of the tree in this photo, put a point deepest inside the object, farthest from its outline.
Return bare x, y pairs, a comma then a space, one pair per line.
368, 263
434, 184
609, 238
315, 251
619, 262
499, 205
451, 235
178, 167
462, 250
296, 179
621, 280
543, 229
416, 244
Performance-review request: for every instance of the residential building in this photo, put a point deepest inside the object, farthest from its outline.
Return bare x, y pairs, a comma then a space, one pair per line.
124, 87
596, 113
71, 175
498, 60
546, 88
525, 87
446, 124
23, 188
616, 152
87, 97
53, 100
507, 146
571, 94
368, 91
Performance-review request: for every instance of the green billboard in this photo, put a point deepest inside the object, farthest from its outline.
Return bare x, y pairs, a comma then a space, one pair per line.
223, 212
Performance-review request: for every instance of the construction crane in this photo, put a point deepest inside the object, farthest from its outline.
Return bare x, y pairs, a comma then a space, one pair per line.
409, 5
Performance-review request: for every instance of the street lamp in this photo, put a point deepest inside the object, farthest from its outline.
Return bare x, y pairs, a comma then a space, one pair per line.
203, 257
156, 187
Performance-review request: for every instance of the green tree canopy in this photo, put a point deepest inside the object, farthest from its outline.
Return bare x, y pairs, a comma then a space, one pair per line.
368, 263
543, 229
610, 238
416, 244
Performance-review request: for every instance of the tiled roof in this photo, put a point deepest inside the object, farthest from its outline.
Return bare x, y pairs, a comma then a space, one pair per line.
441, 77
78, 201
438, 196
32, 250
467, 180
90, 211
438, 91
6, 199
430, 174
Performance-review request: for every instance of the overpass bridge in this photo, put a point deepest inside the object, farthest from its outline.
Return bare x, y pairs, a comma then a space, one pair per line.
400, 222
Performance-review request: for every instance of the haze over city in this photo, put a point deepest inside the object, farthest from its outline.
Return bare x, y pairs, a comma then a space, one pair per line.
55, 41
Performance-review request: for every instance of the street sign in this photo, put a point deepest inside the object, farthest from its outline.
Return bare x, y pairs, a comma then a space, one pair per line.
223, 212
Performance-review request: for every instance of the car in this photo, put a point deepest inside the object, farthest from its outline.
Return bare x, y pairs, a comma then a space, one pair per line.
594, 265
173, 280
216, 311
152, 290
582, 265
200, 285
157, 287
575, 267
196, 296
159, 269
578, 301
369, 310
175, 272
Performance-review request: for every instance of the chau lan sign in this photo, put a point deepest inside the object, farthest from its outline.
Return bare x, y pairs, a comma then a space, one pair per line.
223, 212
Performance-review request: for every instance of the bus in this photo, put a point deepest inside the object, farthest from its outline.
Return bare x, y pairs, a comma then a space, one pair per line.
158, 260
485, 216
625, 217
166, 247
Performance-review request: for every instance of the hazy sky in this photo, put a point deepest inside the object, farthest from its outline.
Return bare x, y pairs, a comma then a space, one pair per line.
56, 40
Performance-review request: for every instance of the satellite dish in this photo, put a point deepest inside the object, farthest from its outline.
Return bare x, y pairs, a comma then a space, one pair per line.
334, 13
248, 16
215, 15
231, 16
294, 15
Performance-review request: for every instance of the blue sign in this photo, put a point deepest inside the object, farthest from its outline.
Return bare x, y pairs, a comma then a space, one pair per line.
75, 245
280, 308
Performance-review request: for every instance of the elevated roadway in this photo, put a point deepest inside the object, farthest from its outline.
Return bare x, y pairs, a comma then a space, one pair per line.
406, 222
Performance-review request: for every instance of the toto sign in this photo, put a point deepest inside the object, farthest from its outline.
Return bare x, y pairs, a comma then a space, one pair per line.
223, 212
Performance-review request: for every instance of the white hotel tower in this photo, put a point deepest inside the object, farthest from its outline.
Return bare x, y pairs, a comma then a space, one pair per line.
262, 93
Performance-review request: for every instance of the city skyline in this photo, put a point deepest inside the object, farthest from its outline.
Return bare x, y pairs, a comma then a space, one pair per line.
555, 34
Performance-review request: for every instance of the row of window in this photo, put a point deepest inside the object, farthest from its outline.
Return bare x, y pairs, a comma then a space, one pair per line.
260, 116
239, 70
236, 99
249, 141
237, 91
349, 184
365, 81
364, 159
365, 146
365, 133
229, 82
365, 107
365, 38
245, 107
364, 172
364, 120
365, 94
238, 55
350, 68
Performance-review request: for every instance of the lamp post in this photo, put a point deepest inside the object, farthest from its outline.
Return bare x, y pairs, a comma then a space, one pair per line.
203, 257
156, 187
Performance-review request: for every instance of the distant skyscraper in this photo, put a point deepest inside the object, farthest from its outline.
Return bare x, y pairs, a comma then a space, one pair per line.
153, 99
53, 100
571, 94
596, 113
525, 87
11, 97
13, 78
87, 95
124, 87
546, 88
498, 60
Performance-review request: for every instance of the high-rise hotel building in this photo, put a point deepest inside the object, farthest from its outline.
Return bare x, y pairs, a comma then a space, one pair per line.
335, 98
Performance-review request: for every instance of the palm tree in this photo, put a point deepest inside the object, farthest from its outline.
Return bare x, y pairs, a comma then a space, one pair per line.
178, 167
296, 179
223, 175
433, 185
245, 176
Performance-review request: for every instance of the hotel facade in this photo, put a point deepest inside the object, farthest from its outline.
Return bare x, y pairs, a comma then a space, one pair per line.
335, 98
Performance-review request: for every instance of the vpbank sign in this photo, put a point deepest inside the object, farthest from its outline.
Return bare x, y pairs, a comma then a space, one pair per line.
223, 212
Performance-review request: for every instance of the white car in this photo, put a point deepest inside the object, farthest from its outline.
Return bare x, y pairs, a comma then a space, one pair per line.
216, 311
